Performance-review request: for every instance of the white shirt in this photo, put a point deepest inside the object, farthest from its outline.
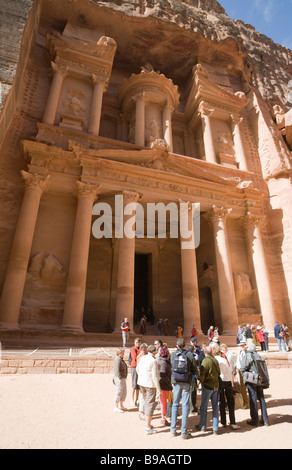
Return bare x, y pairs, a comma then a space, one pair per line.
240, 355
226, 374
147, 371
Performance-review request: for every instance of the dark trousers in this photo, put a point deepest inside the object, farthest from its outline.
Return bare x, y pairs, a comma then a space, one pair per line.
225, 391
257, 393
193, 396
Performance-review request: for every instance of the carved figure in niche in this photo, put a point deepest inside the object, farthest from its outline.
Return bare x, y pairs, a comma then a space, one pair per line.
225, 144
243, 290
154, 129
73, 104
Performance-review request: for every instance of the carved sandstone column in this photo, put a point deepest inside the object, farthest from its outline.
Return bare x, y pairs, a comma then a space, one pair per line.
54, 94
227, 298
167, 128
261, 273
210, 152
238, 143
191, 305
140, 120
20, 252
126, 266
96, 105
76, 282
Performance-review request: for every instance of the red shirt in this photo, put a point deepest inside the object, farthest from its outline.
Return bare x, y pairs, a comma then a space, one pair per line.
134, 353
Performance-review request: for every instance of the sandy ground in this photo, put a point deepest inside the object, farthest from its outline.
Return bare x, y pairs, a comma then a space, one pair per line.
76, 412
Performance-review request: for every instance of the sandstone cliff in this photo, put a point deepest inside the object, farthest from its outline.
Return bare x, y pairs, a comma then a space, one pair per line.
266, 64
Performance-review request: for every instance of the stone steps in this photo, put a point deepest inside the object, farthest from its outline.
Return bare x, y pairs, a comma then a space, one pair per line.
57, 353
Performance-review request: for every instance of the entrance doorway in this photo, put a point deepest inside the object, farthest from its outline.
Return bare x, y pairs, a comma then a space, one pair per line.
206, 307
142, 285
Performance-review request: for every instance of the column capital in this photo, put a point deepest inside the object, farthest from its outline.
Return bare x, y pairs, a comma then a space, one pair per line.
88, 190
204, 111
35, 181
251, 220
61, 69
130, 196
97, 79
189, 205
139, 97
218, 213
235, 119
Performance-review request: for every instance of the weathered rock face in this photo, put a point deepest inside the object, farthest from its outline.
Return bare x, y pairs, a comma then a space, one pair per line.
266, 64
170, 99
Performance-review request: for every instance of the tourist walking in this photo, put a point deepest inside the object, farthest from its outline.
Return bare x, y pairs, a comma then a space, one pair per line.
120, 376
266, 336
211, 333
261, 338
209, 378
194, 332
280, 336
148, 380
125, 327
287, 335
134, 351
250, 363
164, 373
184, 367
225, 389
179, 331
143, 325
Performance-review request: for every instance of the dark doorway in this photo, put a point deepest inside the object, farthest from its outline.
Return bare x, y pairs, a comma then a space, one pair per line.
142, 286
206, 307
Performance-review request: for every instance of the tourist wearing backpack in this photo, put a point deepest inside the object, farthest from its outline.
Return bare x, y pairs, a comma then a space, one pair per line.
254, 363
184, 367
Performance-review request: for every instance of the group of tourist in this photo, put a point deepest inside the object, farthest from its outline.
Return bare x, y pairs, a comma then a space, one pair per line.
168, 379
260, 336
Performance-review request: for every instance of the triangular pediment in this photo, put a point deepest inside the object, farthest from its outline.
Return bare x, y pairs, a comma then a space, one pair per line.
158, 160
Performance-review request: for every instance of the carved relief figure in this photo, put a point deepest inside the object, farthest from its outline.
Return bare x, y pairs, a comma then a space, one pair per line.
73, 103
243, 290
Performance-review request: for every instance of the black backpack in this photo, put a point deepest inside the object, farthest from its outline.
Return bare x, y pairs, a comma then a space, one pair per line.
260, 367
180, 367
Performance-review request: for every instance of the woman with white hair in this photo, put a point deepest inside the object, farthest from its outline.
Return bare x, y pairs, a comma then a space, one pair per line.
148, 380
